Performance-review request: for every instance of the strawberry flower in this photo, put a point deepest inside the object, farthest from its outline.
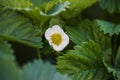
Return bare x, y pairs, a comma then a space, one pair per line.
57, 38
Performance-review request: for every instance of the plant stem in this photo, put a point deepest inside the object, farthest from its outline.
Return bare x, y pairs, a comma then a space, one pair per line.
38, 53
115, 45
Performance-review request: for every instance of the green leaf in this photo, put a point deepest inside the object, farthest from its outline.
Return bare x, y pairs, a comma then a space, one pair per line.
15, 4
56, 20
88, 30
110, 5
76, 7
5, 47
37, 10
84, 62
15, 27
108, 56
51, 7
108, 27
40, 2
26, 8
41, 71
117, 74
8, 68
56, 9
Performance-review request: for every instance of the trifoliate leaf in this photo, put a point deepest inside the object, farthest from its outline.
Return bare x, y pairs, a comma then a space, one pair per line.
41, 71
110, 5
84, 62
8, 68
108, 27
76, 6
15, 27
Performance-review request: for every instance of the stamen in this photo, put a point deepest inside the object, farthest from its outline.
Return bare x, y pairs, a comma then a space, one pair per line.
56, 38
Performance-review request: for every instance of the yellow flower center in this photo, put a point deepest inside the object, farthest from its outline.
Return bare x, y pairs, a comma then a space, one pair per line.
56, 38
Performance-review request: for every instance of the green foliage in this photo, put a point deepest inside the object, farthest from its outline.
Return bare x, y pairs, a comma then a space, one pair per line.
84, 62
41, 71
40, 2
108, 27
76, 7
8, 68
5, 47
117, 62
38, 10
32, 71
15, 4
116, 71
15, 27
51, 7
93, 52
56, 20
86, 30
110, 5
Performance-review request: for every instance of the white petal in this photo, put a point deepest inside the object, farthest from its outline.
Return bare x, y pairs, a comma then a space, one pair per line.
58, 48
48, 33
57, 28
